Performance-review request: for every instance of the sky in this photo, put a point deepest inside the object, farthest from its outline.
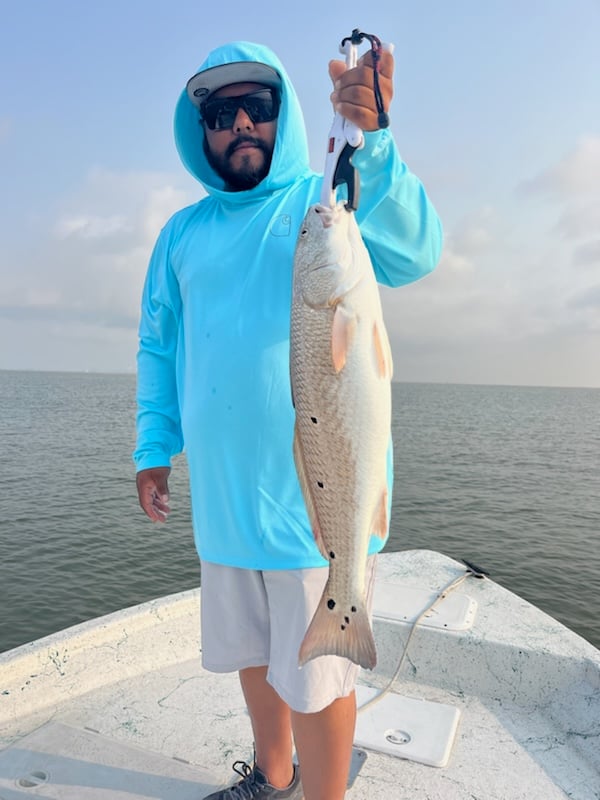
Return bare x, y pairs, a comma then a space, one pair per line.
496, 108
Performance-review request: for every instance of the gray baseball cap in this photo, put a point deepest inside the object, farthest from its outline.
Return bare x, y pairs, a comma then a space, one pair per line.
203, 84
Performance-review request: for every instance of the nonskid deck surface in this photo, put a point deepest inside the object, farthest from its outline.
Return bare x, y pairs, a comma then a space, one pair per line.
199, 719
525, 689
67, 763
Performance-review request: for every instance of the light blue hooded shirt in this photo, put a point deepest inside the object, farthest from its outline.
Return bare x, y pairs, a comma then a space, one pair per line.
213, 361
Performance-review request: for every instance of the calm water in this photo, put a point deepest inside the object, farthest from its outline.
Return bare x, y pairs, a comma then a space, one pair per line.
506, 477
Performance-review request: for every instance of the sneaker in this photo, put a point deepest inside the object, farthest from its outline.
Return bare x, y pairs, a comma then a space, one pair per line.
255, 786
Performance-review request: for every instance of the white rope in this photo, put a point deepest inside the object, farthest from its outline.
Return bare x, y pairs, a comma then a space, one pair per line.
454, 584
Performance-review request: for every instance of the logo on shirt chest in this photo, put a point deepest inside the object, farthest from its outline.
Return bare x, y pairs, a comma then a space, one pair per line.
281, 225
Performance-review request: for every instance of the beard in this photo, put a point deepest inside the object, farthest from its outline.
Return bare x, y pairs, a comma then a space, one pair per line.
249, 174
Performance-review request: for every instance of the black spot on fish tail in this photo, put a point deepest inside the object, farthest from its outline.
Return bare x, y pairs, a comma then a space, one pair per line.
353, 609
314, 419
347, 620
331, 554
320, 484
330, 634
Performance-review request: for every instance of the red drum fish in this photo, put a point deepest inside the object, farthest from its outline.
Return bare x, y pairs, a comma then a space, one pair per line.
341, 370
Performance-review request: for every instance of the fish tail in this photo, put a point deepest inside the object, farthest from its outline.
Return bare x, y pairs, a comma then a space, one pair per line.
339, 631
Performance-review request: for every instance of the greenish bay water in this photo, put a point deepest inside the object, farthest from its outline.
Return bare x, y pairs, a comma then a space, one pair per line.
506, 477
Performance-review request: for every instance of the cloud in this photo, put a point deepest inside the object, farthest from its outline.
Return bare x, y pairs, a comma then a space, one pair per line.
91, 226
587, 299
163, 200
578, 173
468, 242
505, 292
456, 304
89, 264
502, 282
587, 254
579, 219
574, 183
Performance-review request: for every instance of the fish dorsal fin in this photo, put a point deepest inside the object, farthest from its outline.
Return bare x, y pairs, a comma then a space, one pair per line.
306, 492
383, 352
342, 336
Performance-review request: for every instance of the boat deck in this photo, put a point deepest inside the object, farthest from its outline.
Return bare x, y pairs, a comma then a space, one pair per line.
143, 716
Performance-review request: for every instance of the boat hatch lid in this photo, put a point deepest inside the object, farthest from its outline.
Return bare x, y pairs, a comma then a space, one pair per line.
404, 604
67, 763
405, 727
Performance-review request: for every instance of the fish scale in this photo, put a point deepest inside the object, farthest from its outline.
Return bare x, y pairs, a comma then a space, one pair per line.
341, 368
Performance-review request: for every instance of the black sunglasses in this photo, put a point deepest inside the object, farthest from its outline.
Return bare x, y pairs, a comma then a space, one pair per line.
220, 113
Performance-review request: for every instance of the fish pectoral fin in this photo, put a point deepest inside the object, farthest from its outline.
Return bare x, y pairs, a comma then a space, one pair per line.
339, 631
307, 494
383, 352
342, 336
379, 526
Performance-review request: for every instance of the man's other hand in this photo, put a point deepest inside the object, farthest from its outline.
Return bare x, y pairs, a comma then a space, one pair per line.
153, 492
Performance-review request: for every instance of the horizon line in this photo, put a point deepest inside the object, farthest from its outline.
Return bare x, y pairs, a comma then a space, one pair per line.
132, 373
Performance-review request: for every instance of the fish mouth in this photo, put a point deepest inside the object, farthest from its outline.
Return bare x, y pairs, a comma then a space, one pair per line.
327, 215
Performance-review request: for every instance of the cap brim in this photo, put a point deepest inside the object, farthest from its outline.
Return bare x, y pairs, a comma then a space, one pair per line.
203, 84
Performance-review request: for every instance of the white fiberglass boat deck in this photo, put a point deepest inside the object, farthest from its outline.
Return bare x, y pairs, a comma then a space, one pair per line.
495, 700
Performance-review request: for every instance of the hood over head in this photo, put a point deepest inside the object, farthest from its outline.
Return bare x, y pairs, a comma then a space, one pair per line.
290, 155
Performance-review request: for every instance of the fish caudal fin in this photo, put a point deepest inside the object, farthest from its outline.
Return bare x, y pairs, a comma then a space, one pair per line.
339, 631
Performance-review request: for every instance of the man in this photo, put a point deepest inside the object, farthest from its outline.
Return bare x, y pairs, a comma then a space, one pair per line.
213, 373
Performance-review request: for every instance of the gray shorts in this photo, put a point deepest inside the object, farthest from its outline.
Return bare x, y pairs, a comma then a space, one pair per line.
256, 618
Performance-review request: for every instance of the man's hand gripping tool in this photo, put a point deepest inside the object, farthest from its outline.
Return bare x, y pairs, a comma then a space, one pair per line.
345, 137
